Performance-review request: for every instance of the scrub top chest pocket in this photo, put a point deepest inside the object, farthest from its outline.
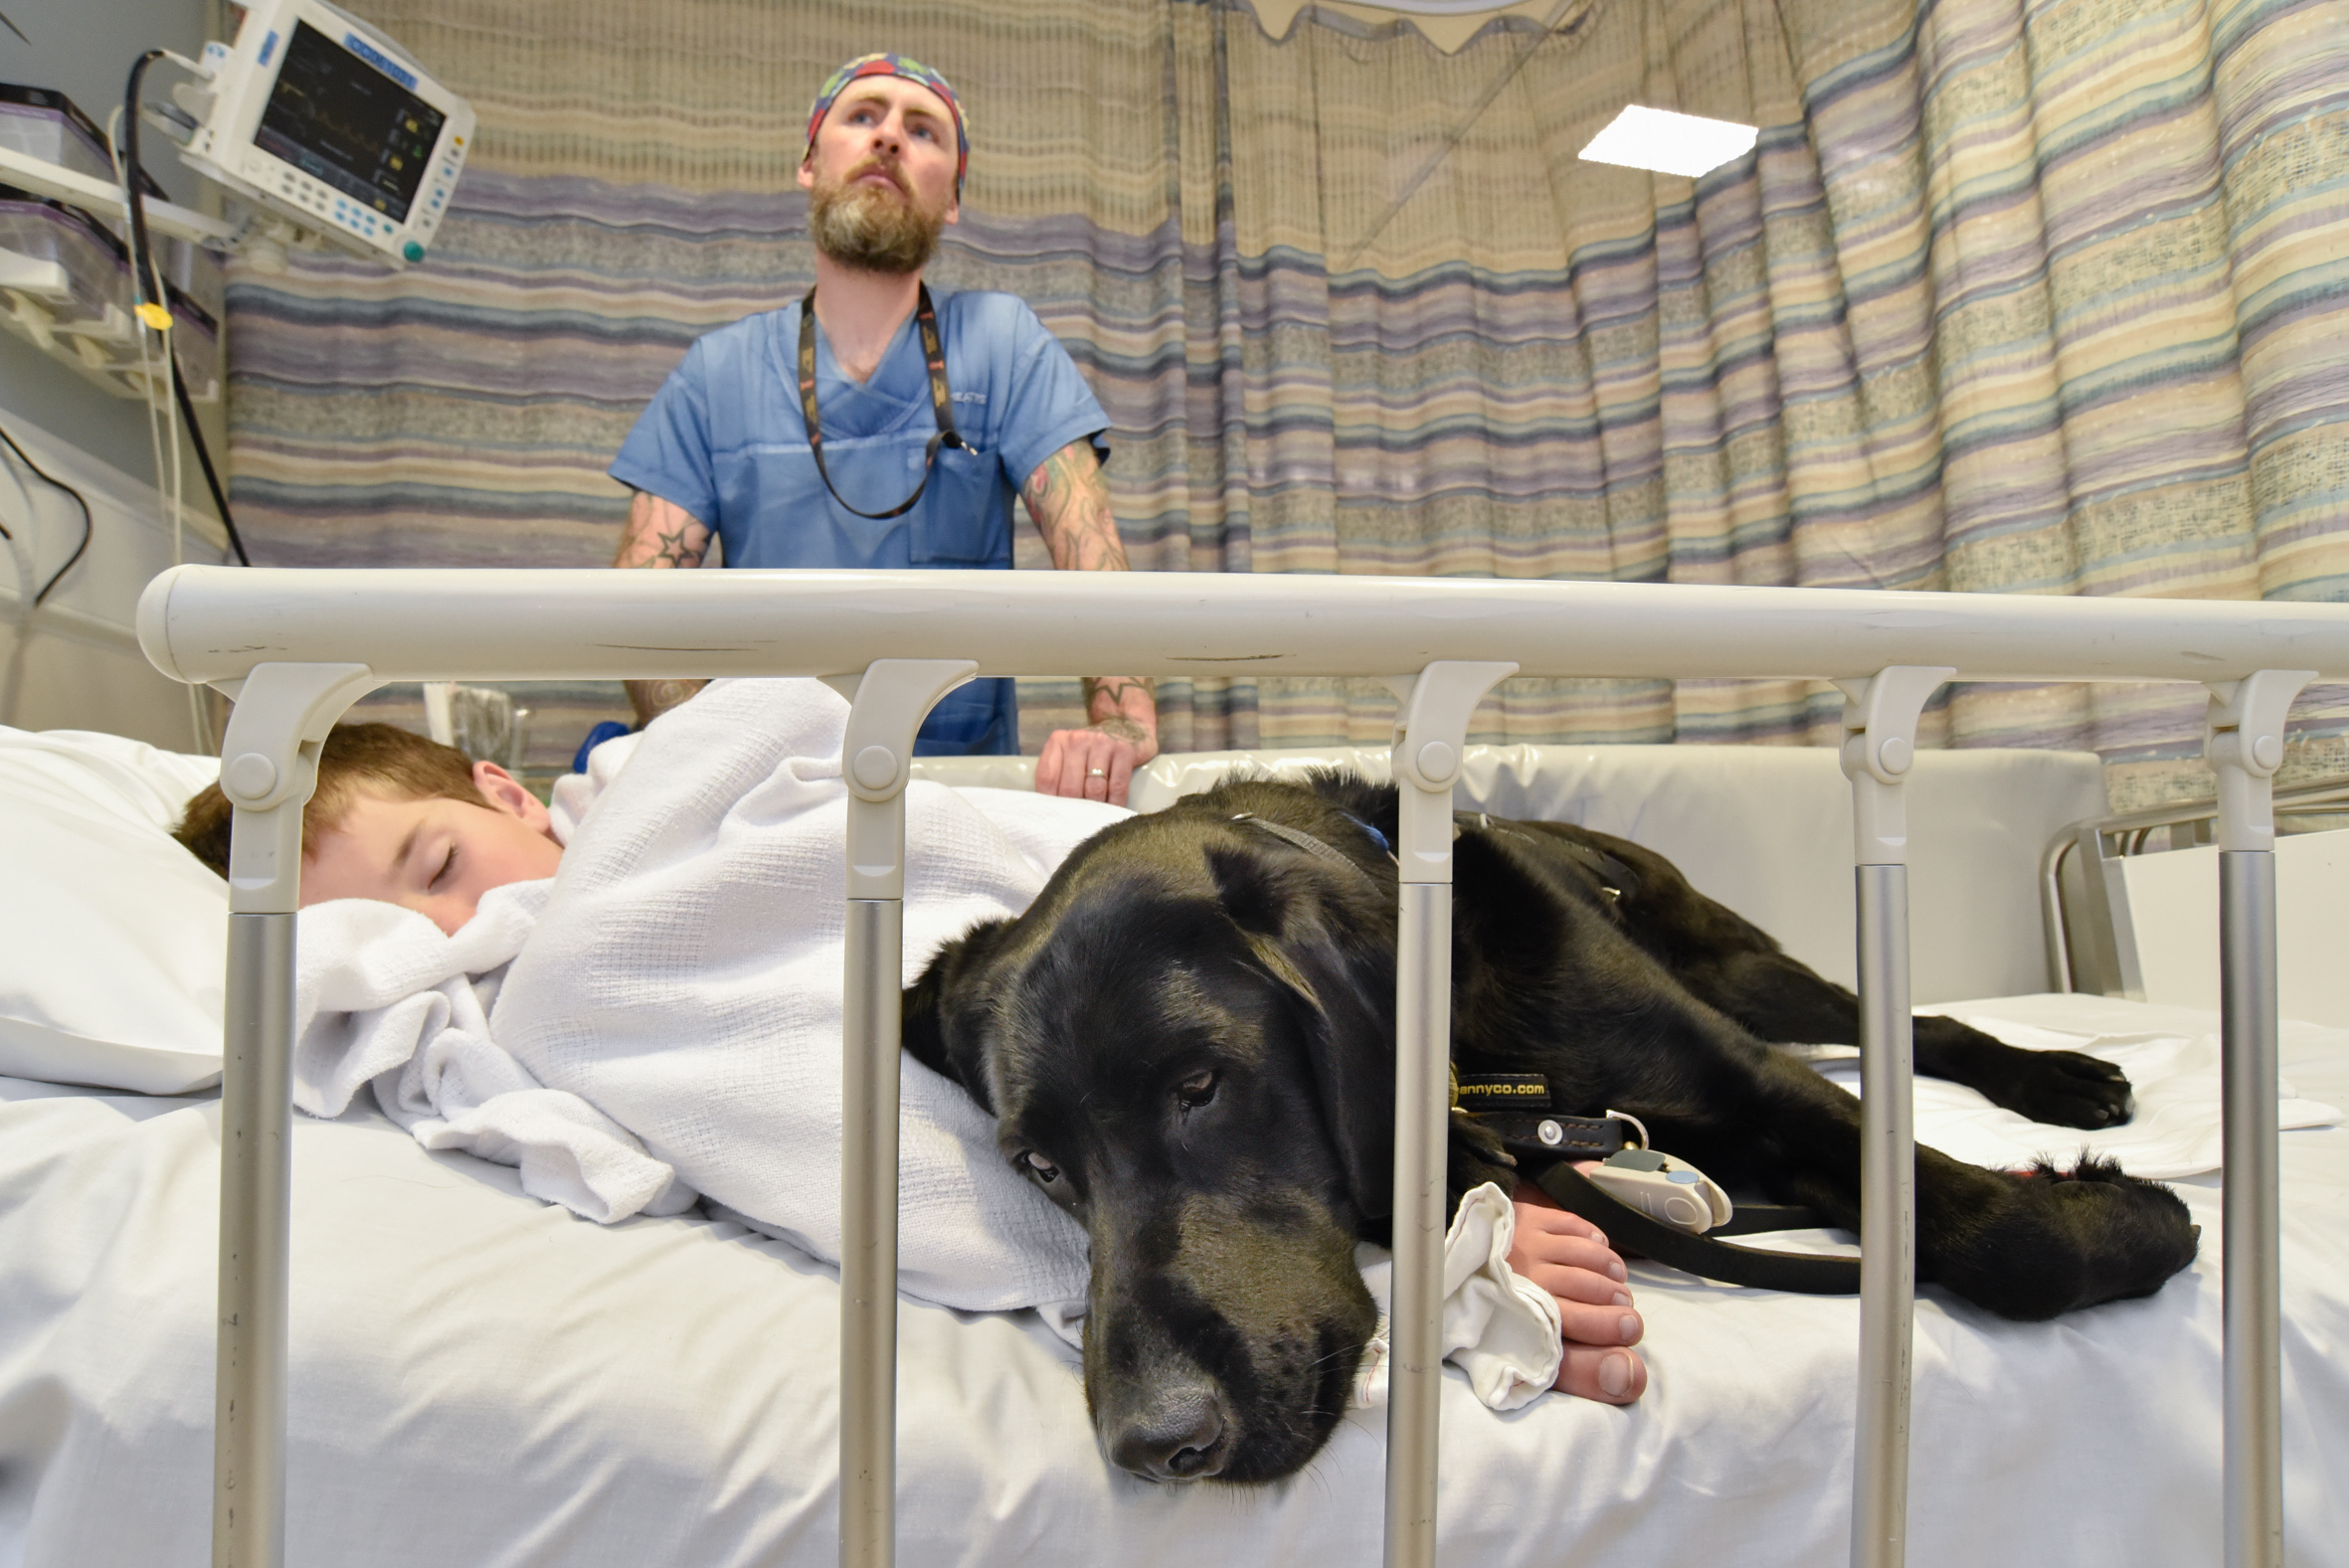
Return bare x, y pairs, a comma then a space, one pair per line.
965, 517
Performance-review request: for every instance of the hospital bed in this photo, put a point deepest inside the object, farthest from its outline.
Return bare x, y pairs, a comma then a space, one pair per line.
668, 1390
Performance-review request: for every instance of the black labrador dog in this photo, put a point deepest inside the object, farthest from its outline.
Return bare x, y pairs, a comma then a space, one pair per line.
1188, 1044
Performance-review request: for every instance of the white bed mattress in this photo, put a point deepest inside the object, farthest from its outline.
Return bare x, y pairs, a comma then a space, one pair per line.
481, 1379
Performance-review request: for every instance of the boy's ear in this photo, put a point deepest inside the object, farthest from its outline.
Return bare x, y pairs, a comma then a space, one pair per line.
502, 792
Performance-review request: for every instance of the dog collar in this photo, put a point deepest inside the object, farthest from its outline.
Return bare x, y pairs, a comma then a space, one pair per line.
1615, 878
1516, 1107
1300, 839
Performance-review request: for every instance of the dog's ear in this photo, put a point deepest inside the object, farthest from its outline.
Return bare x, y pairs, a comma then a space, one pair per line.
941, 1024
1339, 961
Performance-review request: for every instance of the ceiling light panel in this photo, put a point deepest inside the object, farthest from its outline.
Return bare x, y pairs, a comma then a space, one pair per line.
1669, 144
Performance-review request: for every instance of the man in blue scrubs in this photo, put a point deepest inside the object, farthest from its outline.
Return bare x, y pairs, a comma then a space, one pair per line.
826, 443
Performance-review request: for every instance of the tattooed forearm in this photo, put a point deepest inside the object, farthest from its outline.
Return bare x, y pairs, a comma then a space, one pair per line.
1108, 696
662, 534
673, 551
1070, 504
1125, 706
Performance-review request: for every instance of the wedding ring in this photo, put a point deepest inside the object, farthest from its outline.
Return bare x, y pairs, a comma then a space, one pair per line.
1097, 772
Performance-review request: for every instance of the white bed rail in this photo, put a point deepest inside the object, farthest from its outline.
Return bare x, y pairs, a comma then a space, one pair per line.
296, 648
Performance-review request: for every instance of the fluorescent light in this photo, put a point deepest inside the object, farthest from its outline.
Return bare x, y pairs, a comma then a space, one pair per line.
1669, 144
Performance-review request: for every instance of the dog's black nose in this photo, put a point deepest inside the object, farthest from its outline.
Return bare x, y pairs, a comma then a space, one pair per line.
1177, 1438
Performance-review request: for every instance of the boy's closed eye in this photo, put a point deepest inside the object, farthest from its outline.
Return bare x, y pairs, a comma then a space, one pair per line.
436, 856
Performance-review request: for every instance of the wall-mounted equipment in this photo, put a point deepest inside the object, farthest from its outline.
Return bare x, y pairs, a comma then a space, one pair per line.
65, 274
323, 131
329, 126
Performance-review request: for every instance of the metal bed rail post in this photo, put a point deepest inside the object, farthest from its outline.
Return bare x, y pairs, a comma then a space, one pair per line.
1430, 735
1880, 743
269, 769
887, 705
2246, 746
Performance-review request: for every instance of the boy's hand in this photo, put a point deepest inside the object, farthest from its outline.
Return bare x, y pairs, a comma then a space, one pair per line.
1567, 1256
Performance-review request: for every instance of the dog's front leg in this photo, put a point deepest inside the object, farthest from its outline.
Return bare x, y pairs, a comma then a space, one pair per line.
1777, 999
2025, 1246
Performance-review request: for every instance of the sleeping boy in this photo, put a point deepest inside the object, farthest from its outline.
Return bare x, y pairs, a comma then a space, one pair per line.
402, 819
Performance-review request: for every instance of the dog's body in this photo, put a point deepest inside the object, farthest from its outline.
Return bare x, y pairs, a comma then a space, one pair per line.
1189, 1043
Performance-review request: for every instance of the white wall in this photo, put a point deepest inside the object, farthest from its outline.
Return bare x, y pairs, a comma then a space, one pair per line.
2174, 905
74, 664
85, 49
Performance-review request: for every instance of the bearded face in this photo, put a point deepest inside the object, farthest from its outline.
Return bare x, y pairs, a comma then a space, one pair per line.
875, 225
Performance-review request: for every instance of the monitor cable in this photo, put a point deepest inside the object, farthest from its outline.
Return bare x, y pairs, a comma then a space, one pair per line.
79, 500
153, 307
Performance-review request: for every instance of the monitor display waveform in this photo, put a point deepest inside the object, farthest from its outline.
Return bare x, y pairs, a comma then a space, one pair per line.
342, 121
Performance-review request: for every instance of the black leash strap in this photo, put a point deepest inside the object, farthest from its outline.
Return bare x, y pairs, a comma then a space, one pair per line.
933, 354
1545, 1144
1628, 1228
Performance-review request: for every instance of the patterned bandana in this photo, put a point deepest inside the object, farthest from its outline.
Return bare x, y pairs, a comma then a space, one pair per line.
894, 66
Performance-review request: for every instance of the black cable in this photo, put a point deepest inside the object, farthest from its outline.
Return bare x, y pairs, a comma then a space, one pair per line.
142, 279
220, 501
79, 500
145, 278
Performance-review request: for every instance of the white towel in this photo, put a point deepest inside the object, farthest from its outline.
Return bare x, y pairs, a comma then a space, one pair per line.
1502, 1330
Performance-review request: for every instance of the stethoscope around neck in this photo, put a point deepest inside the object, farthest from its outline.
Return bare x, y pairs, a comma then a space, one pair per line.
933, 354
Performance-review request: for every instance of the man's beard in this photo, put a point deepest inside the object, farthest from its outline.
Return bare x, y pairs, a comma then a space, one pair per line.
872, 228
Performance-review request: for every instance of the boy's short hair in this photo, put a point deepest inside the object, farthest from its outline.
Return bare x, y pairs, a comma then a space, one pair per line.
357, 759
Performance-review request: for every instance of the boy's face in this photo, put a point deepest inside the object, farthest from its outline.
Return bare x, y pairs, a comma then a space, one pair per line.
436, 857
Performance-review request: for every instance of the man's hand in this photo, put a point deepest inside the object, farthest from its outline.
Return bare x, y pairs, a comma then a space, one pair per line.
660, 534
1098, 762
1070, 504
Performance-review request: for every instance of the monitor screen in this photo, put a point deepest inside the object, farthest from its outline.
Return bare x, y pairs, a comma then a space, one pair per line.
345, 123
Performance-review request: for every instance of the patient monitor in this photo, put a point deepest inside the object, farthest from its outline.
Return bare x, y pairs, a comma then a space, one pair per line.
321, 121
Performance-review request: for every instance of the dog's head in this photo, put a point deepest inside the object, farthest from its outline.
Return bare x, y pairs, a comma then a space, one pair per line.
1188, 1043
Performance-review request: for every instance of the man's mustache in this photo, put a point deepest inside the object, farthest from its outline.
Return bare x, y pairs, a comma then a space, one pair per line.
882, 166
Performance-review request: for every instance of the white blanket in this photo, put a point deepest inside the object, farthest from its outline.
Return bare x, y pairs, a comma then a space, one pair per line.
673, 1026
384, 998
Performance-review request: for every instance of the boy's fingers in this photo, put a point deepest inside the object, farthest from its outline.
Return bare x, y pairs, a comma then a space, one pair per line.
1612, 1378
1577, 1285
1599, 1325
1565, 1251
1537, 1211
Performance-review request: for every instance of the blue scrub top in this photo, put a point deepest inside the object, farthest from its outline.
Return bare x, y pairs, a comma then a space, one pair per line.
725, 439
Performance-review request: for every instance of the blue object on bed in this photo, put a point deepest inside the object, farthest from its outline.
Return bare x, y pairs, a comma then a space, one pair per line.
609, 730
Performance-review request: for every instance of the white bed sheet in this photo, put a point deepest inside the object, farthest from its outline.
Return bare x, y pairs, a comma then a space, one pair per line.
478, 1378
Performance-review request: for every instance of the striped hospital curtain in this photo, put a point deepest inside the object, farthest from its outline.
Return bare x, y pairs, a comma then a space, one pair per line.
2009, 297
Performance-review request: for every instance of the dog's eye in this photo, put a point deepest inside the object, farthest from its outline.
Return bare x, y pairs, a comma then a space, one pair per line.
1043, 1168
1195, 1091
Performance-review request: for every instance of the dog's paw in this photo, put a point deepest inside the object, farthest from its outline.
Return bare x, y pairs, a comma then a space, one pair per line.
2066, 1089
2058, 1240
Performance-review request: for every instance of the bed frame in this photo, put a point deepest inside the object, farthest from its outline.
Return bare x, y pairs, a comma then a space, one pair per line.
294, 649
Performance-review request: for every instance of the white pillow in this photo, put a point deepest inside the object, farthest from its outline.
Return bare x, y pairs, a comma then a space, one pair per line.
113, 939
